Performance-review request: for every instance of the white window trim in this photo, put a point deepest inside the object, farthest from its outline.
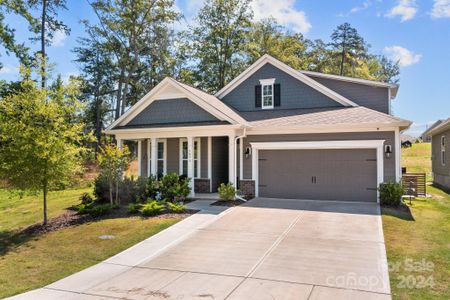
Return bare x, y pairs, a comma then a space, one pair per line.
199, 159
350, 144
267, 82
149, 154
443, 141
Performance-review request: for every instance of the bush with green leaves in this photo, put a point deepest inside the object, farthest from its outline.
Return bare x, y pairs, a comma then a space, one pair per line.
152, 187
176, 207
152, 208
94, 209
391, 193
86, 198
134, 208
174, 188
227, 192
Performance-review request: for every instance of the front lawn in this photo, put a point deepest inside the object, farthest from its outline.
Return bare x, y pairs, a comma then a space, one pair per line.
32, 260
418, 238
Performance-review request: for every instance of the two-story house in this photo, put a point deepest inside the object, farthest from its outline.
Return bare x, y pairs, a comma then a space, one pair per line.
273, 131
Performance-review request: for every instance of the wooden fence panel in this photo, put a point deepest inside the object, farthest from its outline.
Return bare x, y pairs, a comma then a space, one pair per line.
414, 184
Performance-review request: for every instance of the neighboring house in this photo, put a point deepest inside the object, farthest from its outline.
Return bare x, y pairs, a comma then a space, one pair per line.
273, 131
440, 153
425, 137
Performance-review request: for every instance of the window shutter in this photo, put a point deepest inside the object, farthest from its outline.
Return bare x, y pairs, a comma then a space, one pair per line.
258, 96
276, 95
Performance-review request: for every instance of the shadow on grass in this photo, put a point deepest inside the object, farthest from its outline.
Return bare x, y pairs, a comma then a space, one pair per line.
12, 239
402, 212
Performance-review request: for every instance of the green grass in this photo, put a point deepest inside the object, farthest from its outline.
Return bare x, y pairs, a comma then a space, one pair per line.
38, 261
17, 212
421, 234
32, 261
417, 159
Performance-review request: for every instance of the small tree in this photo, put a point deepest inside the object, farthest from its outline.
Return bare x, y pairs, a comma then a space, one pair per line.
40, 137
113, 162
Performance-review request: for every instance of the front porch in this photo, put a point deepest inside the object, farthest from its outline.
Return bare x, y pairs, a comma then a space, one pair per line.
209, 160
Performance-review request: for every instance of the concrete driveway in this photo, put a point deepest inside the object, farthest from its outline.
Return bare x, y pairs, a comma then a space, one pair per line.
266, 249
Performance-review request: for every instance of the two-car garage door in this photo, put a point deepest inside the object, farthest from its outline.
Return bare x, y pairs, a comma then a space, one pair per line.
322, 174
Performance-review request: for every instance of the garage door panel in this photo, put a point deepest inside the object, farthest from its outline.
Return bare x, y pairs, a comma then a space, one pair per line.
348, 175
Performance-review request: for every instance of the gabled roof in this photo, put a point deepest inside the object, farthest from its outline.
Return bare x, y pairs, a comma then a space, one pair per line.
331, 117
170, 88
391, 86
294, 73
444, 125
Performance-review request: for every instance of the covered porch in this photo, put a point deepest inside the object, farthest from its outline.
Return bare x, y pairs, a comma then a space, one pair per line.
210, 156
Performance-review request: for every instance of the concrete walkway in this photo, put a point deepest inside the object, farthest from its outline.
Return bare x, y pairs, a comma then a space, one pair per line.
265, 249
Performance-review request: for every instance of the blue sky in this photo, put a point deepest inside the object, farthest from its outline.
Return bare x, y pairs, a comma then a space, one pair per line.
416, 32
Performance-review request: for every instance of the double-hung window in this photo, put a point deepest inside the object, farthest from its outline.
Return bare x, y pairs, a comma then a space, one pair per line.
267, 95
443, 150
161, 159
184, 157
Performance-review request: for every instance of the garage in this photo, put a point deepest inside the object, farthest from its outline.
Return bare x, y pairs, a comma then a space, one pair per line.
330, 172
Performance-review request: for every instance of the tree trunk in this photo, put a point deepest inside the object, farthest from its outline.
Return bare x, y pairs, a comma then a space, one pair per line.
110, 192
43, 21
119, 93
45, 190
117, 192
125, 94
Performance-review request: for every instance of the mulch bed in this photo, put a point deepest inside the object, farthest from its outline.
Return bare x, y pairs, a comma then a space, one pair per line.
71, 218
230, 203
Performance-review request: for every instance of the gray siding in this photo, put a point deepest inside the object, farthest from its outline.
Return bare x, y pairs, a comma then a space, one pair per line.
294, 93
438, 168
144, 160
173, 155
376, 98
388, 136
219, 161
204, 157
171, 111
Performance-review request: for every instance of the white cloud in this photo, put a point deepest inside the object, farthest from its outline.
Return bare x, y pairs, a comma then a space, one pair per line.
406, 9
284, 12
9, 69
404, 56
58, 39
441, 9
66, 76
363, 6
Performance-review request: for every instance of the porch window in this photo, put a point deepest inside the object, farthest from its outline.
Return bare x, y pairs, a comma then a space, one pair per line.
443, 150
184, 157
161, 158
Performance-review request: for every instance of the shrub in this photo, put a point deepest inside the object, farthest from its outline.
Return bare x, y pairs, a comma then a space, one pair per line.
175, 207
227, 192
101, 189
152, 208
134, 207
174, 188
100, 210
86, 198
151, 187
391, 193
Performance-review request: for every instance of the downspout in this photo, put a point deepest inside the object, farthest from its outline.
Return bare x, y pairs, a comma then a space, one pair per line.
236, 161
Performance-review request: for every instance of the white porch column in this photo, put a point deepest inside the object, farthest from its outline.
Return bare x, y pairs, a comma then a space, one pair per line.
398, 156
241, 158
154, 155
139, 157
232, 159
190, 173
210, 162
119, 143
149, 157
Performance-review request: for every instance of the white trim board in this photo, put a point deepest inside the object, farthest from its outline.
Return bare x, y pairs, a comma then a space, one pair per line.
294, 73
350, 144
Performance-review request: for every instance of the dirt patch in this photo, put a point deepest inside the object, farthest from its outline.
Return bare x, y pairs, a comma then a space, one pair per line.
230, 203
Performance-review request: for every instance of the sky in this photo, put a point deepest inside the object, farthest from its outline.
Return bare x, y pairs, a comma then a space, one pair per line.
414, 32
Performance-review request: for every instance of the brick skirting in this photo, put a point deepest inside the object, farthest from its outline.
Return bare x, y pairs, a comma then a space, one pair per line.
201, 185
247, 188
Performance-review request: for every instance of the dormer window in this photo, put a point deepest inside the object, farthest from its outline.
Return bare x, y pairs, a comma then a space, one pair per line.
267, 95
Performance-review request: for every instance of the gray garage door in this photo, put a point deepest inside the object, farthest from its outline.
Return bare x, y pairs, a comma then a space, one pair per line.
347, 175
